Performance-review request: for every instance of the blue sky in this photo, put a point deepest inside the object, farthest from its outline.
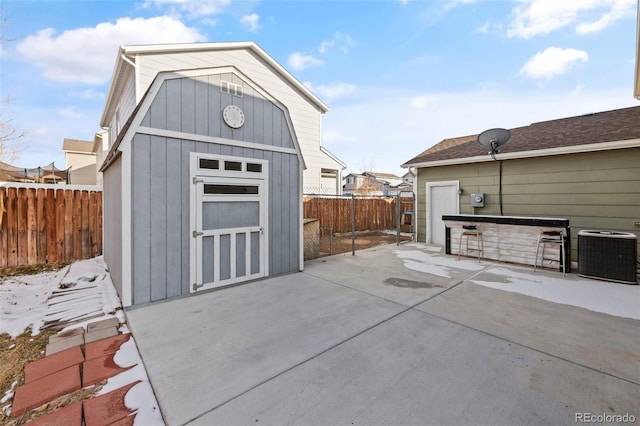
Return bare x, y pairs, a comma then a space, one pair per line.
398, 75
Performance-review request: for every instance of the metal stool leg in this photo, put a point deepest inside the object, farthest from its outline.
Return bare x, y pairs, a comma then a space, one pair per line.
535, 262
563, 256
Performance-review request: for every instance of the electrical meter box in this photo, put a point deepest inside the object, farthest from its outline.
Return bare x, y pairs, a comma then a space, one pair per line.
477, 200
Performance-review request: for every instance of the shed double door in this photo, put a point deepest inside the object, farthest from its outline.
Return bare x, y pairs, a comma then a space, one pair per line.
230, 231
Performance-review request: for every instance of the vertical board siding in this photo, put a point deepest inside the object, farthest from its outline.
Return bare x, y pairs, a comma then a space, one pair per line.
191, 105
36, 227
594, 190
113, 221
161, 206
141, 218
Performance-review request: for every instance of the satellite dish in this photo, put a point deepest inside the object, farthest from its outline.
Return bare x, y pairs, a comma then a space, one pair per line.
494, 139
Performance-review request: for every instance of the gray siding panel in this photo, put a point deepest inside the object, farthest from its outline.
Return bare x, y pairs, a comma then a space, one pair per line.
188, 104
161, 213
192, 105
140, 221
186, 147
112, 184
174, 111
158, 217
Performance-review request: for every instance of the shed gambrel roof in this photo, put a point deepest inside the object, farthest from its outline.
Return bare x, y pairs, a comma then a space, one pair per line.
590, 132
120, 69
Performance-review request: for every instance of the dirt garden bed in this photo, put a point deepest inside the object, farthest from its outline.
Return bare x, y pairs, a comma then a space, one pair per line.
341, 243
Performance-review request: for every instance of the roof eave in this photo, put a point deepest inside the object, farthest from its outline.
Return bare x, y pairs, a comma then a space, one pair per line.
575, 149
117, 70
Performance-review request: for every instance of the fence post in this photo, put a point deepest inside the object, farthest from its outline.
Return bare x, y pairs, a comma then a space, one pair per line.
353, 224
398, 219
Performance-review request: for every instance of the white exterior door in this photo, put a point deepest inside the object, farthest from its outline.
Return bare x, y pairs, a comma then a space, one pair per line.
228, 232
442, 199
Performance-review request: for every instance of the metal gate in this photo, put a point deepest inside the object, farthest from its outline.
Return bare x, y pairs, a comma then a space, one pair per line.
229, 235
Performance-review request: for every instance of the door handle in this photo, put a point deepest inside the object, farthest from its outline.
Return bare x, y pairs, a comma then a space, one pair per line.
195, 234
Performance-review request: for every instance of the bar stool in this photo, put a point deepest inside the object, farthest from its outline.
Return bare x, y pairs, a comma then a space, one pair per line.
550, 237
471, 231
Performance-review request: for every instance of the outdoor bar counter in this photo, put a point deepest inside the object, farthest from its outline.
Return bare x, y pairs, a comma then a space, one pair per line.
510, 239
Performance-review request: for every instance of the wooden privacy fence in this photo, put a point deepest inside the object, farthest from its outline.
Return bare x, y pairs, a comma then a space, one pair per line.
371, 214
49, 225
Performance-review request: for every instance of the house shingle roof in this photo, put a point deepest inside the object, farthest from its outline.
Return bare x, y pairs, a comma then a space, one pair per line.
609, 126
76, 145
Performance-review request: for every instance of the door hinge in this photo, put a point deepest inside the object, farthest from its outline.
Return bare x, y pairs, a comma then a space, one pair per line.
195, 234
196, 181
196, 286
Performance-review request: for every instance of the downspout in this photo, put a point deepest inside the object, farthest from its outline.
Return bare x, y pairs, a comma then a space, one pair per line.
127, 60
414, 170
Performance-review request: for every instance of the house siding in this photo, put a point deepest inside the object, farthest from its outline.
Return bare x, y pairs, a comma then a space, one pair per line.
112, 216
305, 116
594, 190
161, 186
83, 168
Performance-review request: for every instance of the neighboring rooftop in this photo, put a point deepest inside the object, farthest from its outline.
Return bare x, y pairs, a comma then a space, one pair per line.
580, 131
76, 145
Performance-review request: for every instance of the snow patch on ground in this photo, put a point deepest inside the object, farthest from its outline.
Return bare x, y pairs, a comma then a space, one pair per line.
23, 301
610, 298
441, 266
140, 398
80, 293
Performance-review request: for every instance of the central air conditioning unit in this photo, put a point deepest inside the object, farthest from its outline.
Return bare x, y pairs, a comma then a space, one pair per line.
608, 255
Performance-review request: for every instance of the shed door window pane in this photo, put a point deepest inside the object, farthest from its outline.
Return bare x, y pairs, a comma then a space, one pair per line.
230, 189
253, 167
233, 165
209, 164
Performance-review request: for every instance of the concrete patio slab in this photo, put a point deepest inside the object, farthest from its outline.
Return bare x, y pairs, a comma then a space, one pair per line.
384, 339
218, 345
603, 342
415, 369
379, 272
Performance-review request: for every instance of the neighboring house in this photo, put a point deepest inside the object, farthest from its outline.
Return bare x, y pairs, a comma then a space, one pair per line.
584, 168
80, 159
353, 181
203, 180
373, 183
137, 66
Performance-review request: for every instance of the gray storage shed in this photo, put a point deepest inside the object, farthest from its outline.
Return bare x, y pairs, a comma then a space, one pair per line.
202, 188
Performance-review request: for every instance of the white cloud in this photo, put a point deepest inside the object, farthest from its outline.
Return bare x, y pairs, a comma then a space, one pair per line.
251, 22
553, 61
539, 17
195, 8
331, 91
422, 102
340, 41
86, 55
299, 61
619, 10
488, 27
